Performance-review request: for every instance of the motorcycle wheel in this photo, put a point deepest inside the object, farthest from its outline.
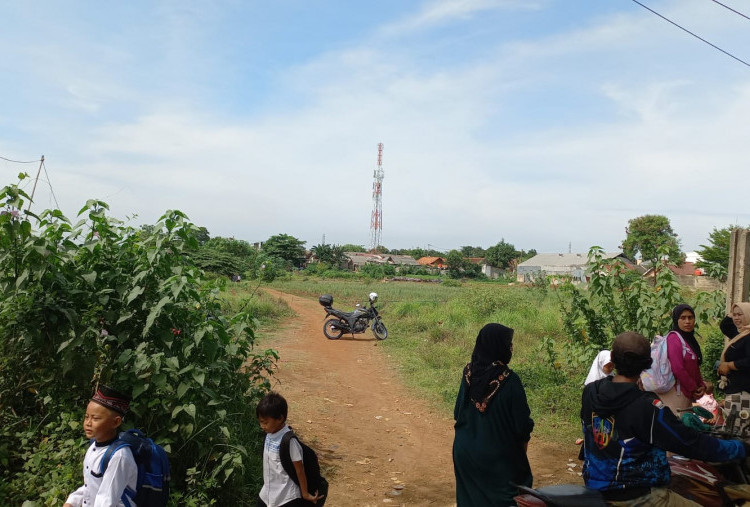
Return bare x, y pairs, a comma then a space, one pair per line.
379, 330
332, 330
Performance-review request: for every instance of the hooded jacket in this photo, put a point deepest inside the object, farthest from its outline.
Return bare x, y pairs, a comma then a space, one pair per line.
626, 435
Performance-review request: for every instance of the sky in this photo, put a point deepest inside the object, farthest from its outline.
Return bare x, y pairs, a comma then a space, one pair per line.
546, 123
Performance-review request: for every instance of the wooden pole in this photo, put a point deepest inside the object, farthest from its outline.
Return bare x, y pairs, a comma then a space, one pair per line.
738, 280
36, 180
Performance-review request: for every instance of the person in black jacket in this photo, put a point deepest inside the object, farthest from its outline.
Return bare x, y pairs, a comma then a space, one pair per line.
734, 367
627, 432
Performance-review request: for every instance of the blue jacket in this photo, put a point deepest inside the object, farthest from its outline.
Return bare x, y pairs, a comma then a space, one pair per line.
627, 433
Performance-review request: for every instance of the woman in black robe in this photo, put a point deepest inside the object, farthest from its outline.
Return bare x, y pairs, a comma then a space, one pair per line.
493, 425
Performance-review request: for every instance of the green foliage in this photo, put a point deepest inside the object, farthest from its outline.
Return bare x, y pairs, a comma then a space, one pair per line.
715, 256
348, 247
330, 254
649, 235
290, 250
460, 267
502, 255
472, 251
99, 301
372, 270
618, 302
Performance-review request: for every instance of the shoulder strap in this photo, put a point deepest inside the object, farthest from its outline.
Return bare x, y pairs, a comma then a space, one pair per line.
286, 457
684, 344
111, 449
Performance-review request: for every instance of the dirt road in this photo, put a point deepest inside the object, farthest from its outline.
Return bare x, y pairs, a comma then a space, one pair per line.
378, 442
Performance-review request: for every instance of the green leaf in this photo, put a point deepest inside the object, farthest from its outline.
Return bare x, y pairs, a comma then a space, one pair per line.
190, 410
177, 410
137, 291
64, 344
181, 390
224, 431
139, 389
89, 277
124, 317
199, 377
155, 311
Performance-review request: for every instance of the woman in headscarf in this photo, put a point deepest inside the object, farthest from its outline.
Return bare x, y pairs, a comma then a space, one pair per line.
735, 359
685, 358
493, 424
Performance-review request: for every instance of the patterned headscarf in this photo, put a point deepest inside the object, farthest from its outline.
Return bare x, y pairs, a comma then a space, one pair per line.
111, 399
489, 364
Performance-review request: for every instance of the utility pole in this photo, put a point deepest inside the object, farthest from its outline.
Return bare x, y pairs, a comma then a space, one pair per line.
36, 180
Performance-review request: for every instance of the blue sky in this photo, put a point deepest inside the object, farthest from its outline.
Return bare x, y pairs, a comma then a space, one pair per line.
547, 123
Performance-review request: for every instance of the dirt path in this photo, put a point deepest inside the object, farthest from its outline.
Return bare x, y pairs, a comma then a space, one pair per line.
378, 443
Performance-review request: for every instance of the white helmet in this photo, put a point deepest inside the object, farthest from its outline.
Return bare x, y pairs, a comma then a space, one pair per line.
373, 297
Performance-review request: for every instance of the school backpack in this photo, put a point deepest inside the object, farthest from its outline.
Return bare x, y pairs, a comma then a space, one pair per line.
659, 378
315, 481
152, 489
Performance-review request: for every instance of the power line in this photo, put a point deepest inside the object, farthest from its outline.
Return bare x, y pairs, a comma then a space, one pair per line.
20, 161
727, 7
693, 34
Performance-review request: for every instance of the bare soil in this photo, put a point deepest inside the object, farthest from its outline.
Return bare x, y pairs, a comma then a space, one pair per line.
378, 442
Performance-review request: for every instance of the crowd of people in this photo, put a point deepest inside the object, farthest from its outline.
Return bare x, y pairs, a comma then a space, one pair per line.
627, 431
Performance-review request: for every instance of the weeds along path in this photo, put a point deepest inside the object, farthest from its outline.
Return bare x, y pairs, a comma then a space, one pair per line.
378, 443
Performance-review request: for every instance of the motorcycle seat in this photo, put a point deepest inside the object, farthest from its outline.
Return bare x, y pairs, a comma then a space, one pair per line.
566, 495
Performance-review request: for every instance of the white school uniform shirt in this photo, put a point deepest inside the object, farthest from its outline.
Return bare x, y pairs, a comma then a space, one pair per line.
278, 487
107, 490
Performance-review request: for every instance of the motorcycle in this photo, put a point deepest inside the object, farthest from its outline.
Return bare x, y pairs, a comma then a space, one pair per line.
355, 322
710, 485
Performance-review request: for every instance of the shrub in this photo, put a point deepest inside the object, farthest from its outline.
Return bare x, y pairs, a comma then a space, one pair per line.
99, 301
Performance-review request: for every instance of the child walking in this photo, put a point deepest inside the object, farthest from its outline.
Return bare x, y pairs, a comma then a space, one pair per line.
279, 490
116, 486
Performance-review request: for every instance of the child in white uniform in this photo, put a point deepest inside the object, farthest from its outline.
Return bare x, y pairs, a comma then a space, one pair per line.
279, 490
116, 486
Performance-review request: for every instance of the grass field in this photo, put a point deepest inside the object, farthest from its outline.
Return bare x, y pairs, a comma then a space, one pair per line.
432, 329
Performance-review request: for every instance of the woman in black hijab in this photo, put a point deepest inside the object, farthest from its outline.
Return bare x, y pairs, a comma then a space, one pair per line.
493, 424
685, 358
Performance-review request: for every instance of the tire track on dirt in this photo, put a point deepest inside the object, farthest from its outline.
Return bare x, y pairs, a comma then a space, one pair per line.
377, 442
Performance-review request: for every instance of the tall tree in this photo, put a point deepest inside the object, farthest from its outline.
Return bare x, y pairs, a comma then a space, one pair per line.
502, 255
647, 234
286, 247
473, 251
717, 251
353, 248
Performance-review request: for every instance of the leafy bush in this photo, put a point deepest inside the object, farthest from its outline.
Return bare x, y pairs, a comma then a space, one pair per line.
99, 301
377, 270
617, 302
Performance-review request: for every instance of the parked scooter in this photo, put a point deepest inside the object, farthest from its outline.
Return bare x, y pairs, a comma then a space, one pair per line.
352, 322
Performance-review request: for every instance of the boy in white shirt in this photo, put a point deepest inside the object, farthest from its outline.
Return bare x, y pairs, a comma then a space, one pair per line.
279, 490
116, 486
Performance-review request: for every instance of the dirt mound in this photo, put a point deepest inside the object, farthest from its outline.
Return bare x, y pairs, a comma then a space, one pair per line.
378, 443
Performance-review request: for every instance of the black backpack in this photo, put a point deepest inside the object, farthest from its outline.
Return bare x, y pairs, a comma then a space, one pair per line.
315, 481
152, 489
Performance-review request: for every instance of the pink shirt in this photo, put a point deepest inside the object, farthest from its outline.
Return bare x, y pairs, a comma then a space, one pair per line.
684, 363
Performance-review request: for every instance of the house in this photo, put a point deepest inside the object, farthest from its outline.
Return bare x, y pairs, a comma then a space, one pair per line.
401, 260
432, 262
359, 259
562, 264
688, 275
490, 272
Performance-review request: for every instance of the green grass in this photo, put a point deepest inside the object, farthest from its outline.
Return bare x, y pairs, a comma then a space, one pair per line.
432, 329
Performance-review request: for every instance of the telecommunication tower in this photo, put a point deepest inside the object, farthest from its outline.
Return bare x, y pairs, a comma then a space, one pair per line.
376, 219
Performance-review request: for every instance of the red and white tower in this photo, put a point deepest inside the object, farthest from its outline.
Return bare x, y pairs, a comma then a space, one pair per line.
376, 219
